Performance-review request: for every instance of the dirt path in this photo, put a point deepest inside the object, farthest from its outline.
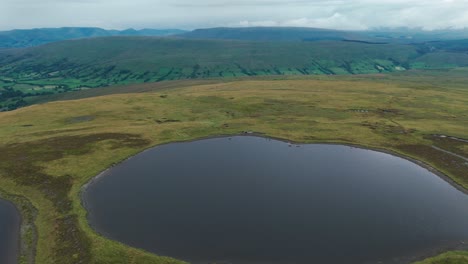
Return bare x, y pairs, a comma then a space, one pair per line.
451, 153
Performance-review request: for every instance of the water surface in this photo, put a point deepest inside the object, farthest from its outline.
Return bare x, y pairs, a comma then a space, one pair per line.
255, 200
9, 232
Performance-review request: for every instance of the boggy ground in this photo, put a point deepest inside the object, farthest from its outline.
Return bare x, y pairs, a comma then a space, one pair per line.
49, 151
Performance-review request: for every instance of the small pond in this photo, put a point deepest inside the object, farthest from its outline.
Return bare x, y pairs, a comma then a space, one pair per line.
10, 221
249, 200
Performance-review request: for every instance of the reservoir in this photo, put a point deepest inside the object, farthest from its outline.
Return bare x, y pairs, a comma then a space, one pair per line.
252, 200
10, 221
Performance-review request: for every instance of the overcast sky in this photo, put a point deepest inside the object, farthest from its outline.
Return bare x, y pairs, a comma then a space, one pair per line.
190, 14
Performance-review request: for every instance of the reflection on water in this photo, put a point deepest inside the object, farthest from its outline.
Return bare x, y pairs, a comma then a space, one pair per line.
9, 233
256, 200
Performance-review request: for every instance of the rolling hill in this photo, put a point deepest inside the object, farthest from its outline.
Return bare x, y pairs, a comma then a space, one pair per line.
97, 62
50, 151
274, 34
399, 35
33, 37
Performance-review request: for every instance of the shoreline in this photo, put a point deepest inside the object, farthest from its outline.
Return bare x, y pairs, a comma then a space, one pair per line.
461, 245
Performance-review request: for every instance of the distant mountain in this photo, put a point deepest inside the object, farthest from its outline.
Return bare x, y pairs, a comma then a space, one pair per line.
33, 37
274, 34
406, 35
20, 38
375, 36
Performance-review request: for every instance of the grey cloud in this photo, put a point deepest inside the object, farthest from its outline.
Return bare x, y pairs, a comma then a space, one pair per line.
224, 4
189, 14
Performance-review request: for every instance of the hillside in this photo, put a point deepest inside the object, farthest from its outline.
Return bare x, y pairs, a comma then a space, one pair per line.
399, 35
33, 37
408, 35
97, 62
49, 151
19, 38
274, 34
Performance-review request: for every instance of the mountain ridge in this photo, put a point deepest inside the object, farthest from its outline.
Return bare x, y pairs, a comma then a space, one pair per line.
400, 35
21, 38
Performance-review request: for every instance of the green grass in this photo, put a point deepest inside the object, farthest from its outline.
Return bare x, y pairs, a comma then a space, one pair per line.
455, 257
49, 151
98, 62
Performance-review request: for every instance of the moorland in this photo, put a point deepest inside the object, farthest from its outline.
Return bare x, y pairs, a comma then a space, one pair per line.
95, 102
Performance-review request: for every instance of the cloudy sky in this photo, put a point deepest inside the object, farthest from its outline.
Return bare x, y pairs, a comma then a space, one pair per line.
190, 14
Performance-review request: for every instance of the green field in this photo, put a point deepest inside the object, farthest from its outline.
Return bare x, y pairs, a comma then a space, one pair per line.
50, 150
99, 62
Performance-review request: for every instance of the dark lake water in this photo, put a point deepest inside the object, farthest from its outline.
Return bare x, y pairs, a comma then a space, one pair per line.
9, 233
255, 200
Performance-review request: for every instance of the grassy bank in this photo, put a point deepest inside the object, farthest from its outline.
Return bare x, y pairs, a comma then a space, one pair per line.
49, 151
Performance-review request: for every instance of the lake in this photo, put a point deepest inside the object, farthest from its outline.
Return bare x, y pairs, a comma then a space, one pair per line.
247, 200
10, 221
